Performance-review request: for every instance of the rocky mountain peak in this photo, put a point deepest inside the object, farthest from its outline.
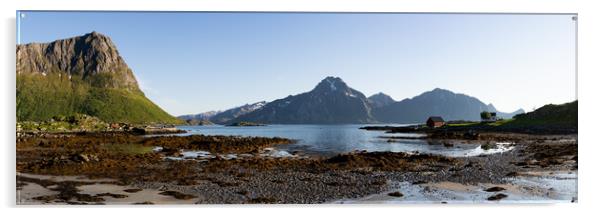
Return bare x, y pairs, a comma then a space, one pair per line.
439, 91
92, 57
381, 95
330, 102
380, 99
332, 84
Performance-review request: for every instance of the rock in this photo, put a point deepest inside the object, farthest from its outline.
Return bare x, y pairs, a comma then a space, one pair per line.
83, 158
497, 197
395, 194
488, 146
132, 190
419, 182
265, 200
245, 124
171, 152
471, 135
244, 193
118, 196
495, 189
114, 126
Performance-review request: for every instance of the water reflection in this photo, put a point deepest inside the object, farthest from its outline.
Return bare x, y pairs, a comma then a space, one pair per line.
334, 139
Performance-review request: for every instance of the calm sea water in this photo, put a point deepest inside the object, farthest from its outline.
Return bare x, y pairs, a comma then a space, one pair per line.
334, 139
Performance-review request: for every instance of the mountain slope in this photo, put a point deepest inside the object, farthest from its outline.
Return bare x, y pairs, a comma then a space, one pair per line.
330, 102
438, 102
82, 74
380, 100
551, 115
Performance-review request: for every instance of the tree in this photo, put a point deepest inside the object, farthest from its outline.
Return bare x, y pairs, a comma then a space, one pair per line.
485, 115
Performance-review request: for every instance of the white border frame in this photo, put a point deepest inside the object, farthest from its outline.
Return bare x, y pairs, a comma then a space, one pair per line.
588, 79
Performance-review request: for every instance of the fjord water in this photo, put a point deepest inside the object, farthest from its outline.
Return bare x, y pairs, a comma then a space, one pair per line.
330, 140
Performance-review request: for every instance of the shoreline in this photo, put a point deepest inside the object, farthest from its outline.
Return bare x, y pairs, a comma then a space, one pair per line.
477, 127
254, 176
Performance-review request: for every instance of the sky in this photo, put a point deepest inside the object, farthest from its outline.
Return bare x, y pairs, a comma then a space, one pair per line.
195, 62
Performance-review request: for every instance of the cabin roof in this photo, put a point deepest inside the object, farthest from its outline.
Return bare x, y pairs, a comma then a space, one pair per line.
436, 119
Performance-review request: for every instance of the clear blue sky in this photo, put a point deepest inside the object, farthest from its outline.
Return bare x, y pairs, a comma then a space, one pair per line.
196, 62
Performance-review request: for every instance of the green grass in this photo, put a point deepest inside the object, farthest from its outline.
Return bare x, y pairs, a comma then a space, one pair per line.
64, 124
500, 122
463, 124
40, 98
132, 149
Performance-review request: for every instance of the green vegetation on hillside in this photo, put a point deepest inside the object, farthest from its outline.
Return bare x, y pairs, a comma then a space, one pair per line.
547, 119
551, 115
39, 98
77, 122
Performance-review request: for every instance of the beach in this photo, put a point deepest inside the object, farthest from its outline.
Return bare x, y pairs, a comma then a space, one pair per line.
90, 169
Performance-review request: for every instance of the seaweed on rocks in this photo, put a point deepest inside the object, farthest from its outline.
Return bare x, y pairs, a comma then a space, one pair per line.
178, 195
216, 144
497, 197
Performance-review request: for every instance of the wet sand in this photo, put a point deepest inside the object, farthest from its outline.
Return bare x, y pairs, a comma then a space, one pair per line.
555, 187
111, 193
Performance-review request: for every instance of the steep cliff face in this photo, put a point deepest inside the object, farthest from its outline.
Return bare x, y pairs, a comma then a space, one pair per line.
92, 57
82, 74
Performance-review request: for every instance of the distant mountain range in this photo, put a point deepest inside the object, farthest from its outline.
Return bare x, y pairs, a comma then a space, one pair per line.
438, 102
224, 117
83, 74
333, 102
201, 116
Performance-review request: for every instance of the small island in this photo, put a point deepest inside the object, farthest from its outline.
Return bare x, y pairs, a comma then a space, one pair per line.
245, 124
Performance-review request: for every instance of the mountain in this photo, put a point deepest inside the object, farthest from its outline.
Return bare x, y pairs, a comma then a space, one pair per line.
200, 116
509, 115
333, 102
83, 74
438, 102
380, 100
330, 102
225, 116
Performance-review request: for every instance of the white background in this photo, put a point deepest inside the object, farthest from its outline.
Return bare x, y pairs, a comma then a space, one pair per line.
589, 88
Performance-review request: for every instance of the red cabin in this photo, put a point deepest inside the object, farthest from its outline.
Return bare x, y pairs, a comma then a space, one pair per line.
435, 121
